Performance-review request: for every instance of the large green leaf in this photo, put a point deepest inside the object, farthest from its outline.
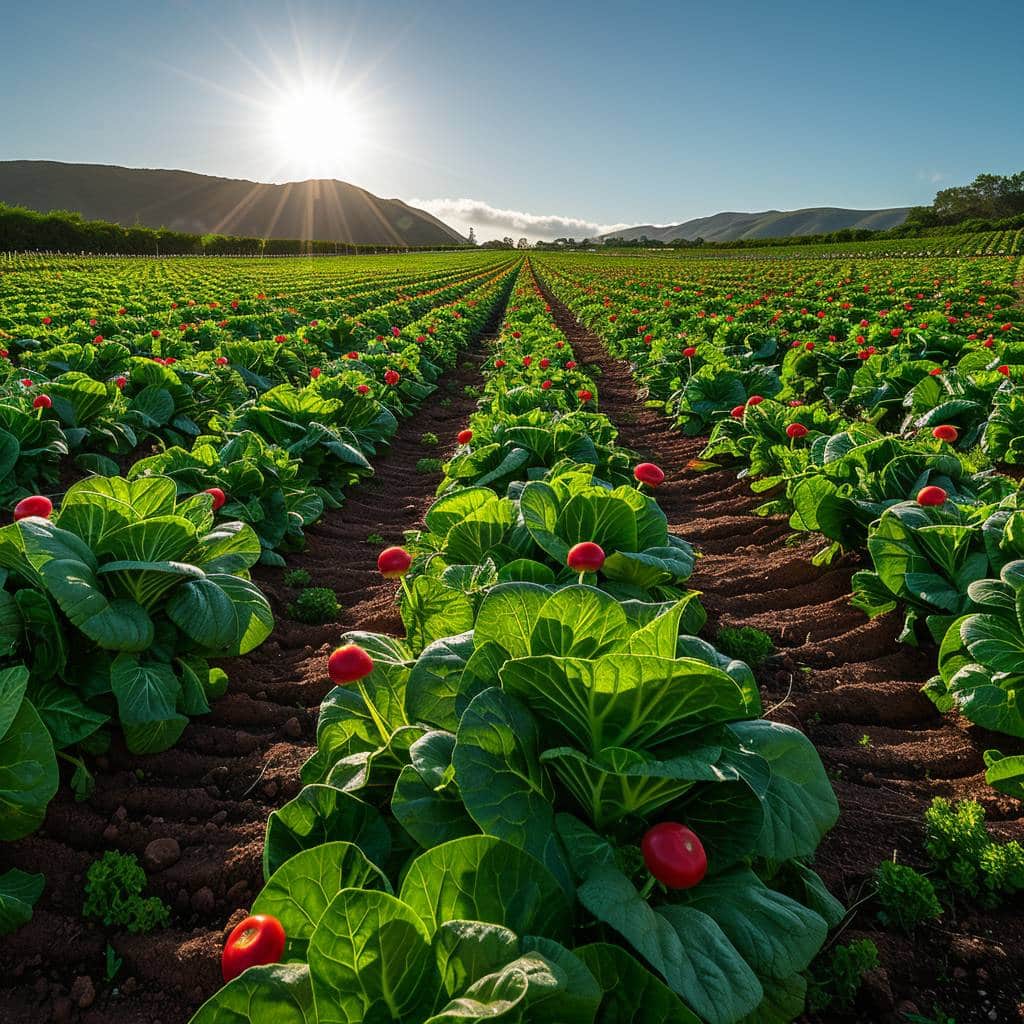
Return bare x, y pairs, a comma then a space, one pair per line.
370, 960
223, 614
323, 814
776, 935
28, 764
147, 699
578, 622
302, 888
622, 700
19, 892
281, 993
503, 785
486, 879
632, 994
685, 946
800, 804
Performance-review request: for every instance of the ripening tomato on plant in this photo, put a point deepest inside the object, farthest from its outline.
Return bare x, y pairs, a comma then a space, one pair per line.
945, 432
931, 496
219, 497
349, 664
464, 436
393, 563
674, 855
256, 941
585, 557
37, 505
42, 402
392, 377
648, 473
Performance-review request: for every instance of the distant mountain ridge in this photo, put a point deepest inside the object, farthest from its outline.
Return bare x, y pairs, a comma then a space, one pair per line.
728, 227
322, 209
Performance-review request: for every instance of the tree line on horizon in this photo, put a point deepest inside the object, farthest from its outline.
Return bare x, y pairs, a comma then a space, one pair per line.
991, 202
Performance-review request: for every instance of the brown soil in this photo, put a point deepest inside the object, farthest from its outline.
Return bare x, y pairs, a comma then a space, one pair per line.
212, 793
840, 677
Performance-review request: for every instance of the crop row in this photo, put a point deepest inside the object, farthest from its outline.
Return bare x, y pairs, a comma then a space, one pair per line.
549, 800
119, 591
882, 409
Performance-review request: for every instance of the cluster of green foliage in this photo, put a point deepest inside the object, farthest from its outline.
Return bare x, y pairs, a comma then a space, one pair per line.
972, 864
836, 978
315, 605
907, 898
745, 643
113, 892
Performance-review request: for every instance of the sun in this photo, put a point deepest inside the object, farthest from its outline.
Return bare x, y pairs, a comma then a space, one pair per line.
319, 129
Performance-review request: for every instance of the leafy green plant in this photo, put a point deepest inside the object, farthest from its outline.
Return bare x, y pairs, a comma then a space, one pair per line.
296, 578
428, 439
375, 539
263, 484
972, 863
429, 465
980, 669
19, 893
120, 599
113, 964
564, 722
315, 605
113, 893
925, 559
906, 897
837, 977
745, 643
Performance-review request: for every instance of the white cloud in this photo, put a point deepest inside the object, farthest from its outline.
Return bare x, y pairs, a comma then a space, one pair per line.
493, 222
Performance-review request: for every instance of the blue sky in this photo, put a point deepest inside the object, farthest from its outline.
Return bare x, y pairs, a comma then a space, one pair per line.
529, 117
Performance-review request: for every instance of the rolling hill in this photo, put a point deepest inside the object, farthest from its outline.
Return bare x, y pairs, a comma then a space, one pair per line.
320, 209
727, 227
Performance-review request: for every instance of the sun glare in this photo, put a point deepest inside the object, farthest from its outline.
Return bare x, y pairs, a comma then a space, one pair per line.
321, 131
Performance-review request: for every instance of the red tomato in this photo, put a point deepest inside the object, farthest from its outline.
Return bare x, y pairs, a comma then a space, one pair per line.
931, 495
394, 562
219, 497
349, 664
257, 940
585, 557
674, 855
34, 505
648, 473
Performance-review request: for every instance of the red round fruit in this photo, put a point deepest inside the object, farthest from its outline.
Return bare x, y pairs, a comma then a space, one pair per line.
42, 402
585, 557
394, 562
931, 496
34, 505
392, 377
674, 855
349, 664
222, 360
738, 411
689, 352
648, 473
795, 430
755, 400
946, 432
314, 372
464, 436
257, 940
219, 497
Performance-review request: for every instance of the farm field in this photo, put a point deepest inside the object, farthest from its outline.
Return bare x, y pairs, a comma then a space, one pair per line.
691, 692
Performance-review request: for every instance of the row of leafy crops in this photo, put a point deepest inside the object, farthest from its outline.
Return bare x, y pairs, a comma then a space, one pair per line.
549, 800
880, 406
150, 468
